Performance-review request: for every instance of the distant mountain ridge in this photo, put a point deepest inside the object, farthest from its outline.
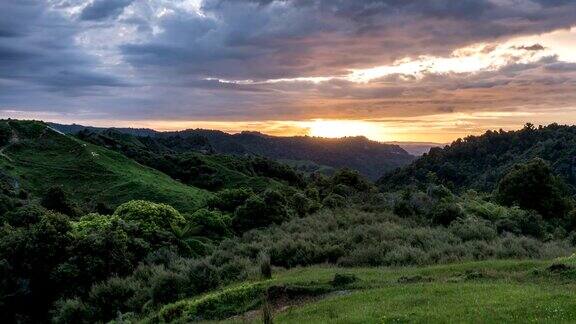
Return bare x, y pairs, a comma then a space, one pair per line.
417, 148
371, 158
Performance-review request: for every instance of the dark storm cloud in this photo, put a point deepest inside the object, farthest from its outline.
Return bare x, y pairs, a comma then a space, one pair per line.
263, 39
37, 48
160, 59
103, 9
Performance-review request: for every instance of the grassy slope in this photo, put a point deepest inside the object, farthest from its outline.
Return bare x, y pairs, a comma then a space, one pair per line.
474, 292
507, 291
226, 168
44, 158
234, 179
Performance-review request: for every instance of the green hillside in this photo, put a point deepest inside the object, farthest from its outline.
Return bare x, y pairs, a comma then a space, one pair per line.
181, 158
40, 158
478, 162
508, 291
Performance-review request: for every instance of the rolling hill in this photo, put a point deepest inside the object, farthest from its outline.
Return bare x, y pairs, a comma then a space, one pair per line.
478, 162
192, 161
370, 158
39, 157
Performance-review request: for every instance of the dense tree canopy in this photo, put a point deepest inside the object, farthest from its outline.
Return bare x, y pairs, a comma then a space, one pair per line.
478, 162
534, 186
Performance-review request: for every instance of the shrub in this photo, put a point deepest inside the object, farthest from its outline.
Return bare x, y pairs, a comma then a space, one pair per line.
352, 179
167, 287
265, 267
334, 200
473, 228
534, 186
403, 208
522, 222
343, 279
111, 297
24, 216
439, 192
228, 200
57, 200
211, 223
71, 311
202, 276
301, 204
445, 212
150, 216
261, 211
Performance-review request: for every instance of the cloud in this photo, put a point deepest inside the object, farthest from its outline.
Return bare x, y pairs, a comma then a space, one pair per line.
38, 52
535, 47
104, 9
178, 59
265, 39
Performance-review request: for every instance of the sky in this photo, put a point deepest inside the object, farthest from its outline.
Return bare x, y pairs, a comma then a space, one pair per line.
391, 70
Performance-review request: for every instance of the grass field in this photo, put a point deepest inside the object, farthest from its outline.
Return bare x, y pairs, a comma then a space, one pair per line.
45, 158
505, 291
480, 292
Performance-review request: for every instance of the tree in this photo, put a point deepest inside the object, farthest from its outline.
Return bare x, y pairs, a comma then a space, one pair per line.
211, 223
228, 200
352, 179
261, 211
150, 216
57, 200
533, 186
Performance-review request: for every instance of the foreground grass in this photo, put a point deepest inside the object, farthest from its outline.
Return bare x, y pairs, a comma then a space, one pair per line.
479, 292
443, 302
508, 291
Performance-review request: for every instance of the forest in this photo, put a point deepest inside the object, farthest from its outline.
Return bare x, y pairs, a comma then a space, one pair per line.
112, 226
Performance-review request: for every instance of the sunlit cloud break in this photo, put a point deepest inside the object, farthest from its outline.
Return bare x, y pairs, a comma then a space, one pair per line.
471, 59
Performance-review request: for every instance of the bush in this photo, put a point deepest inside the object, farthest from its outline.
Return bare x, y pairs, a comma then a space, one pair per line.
229, 199
445, 212
265, 267
534, 186
71, 311
261, 211
150, 216
301, 204
334, 200
57, 200
522, 222
167, 287
211, 223
24, 216
343, 279
111, 297
352, 179
473, 228
202, 276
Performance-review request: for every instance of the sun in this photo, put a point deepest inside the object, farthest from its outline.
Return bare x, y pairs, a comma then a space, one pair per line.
344, 128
